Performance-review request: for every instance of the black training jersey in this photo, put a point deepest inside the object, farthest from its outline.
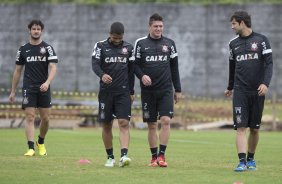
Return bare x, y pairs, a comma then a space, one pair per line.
250, 62
36, 59
116, 61
158, 59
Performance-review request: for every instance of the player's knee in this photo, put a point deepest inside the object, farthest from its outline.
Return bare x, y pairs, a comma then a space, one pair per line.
45, 119
254, 131
30, 117
107, 127
152, 126
165, 121
124, 124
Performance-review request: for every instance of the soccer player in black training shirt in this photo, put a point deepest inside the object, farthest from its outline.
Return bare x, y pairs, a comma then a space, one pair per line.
112, 62
250, 72
36, 56
157, 68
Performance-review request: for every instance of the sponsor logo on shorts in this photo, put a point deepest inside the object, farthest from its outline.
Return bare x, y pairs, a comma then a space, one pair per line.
238, 119
238, 110
25, 100
102, 115
146, 114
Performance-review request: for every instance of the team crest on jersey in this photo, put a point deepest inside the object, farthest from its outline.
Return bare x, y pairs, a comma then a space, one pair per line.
164, 48
254, 46
124, 50
42, 50
25, 100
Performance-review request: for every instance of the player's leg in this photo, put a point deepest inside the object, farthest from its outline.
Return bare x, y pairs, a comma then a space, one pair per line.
107, 137
163, 137
165, 109
29, 104
29, 130
257, 110
124, 137
149, 110
43, 129
241, 118
122, 111
106, 119
252, 145
44, 108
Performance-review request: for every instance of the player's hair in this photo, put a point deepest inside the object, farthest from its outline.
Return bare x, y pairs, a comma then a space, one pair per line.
155, 17
35, 22
241, 15
117, 28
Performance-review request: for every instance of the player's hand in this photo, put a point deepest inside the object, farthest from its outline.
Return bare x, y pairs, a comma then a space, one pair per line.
228, 93
44, 87
146, 80
107, 79
177, 96
262, 90
12, 97
132, 98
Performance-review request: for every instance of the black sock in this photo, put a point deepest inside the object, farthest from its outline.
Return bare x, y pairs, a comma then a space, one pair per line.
123, 152
250, 156
154, 152
162, 149
40, 140
110, 153
242, 157
30, 144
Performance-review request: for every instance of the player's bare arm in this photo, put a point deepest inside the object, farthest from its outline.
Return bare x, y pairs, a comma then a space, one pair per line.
53, 69
16, 78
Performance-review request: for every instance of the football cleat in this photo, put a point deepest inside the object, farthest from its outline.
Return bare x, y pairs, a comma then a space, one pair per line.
154, 162
41, 149
30, 153
110, 162
241, 167
124, 161
251, 165
161, 161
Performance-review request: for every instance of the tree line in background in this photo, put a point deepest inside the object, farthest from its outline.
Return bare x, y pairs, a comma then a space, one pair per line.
205, 2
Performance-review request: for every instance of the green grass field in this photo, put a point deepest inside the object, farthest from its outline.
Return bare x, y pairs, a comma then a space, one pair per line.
193, 157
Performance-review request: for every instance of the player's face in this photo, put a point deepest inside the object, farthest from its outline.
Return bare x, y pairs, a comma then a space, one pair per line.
156, 29
35, 32
116, 39
237, 28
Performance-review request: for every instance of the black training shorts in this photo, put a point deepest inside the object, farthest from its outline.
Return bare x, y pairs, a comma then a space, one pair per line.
247, 109
114, 105
156, 104
36, 98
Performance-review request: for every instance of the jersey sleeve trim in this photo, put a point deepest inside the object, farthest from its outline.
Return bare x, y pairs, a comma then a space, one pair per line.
267, 51
52, 57
174, 55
